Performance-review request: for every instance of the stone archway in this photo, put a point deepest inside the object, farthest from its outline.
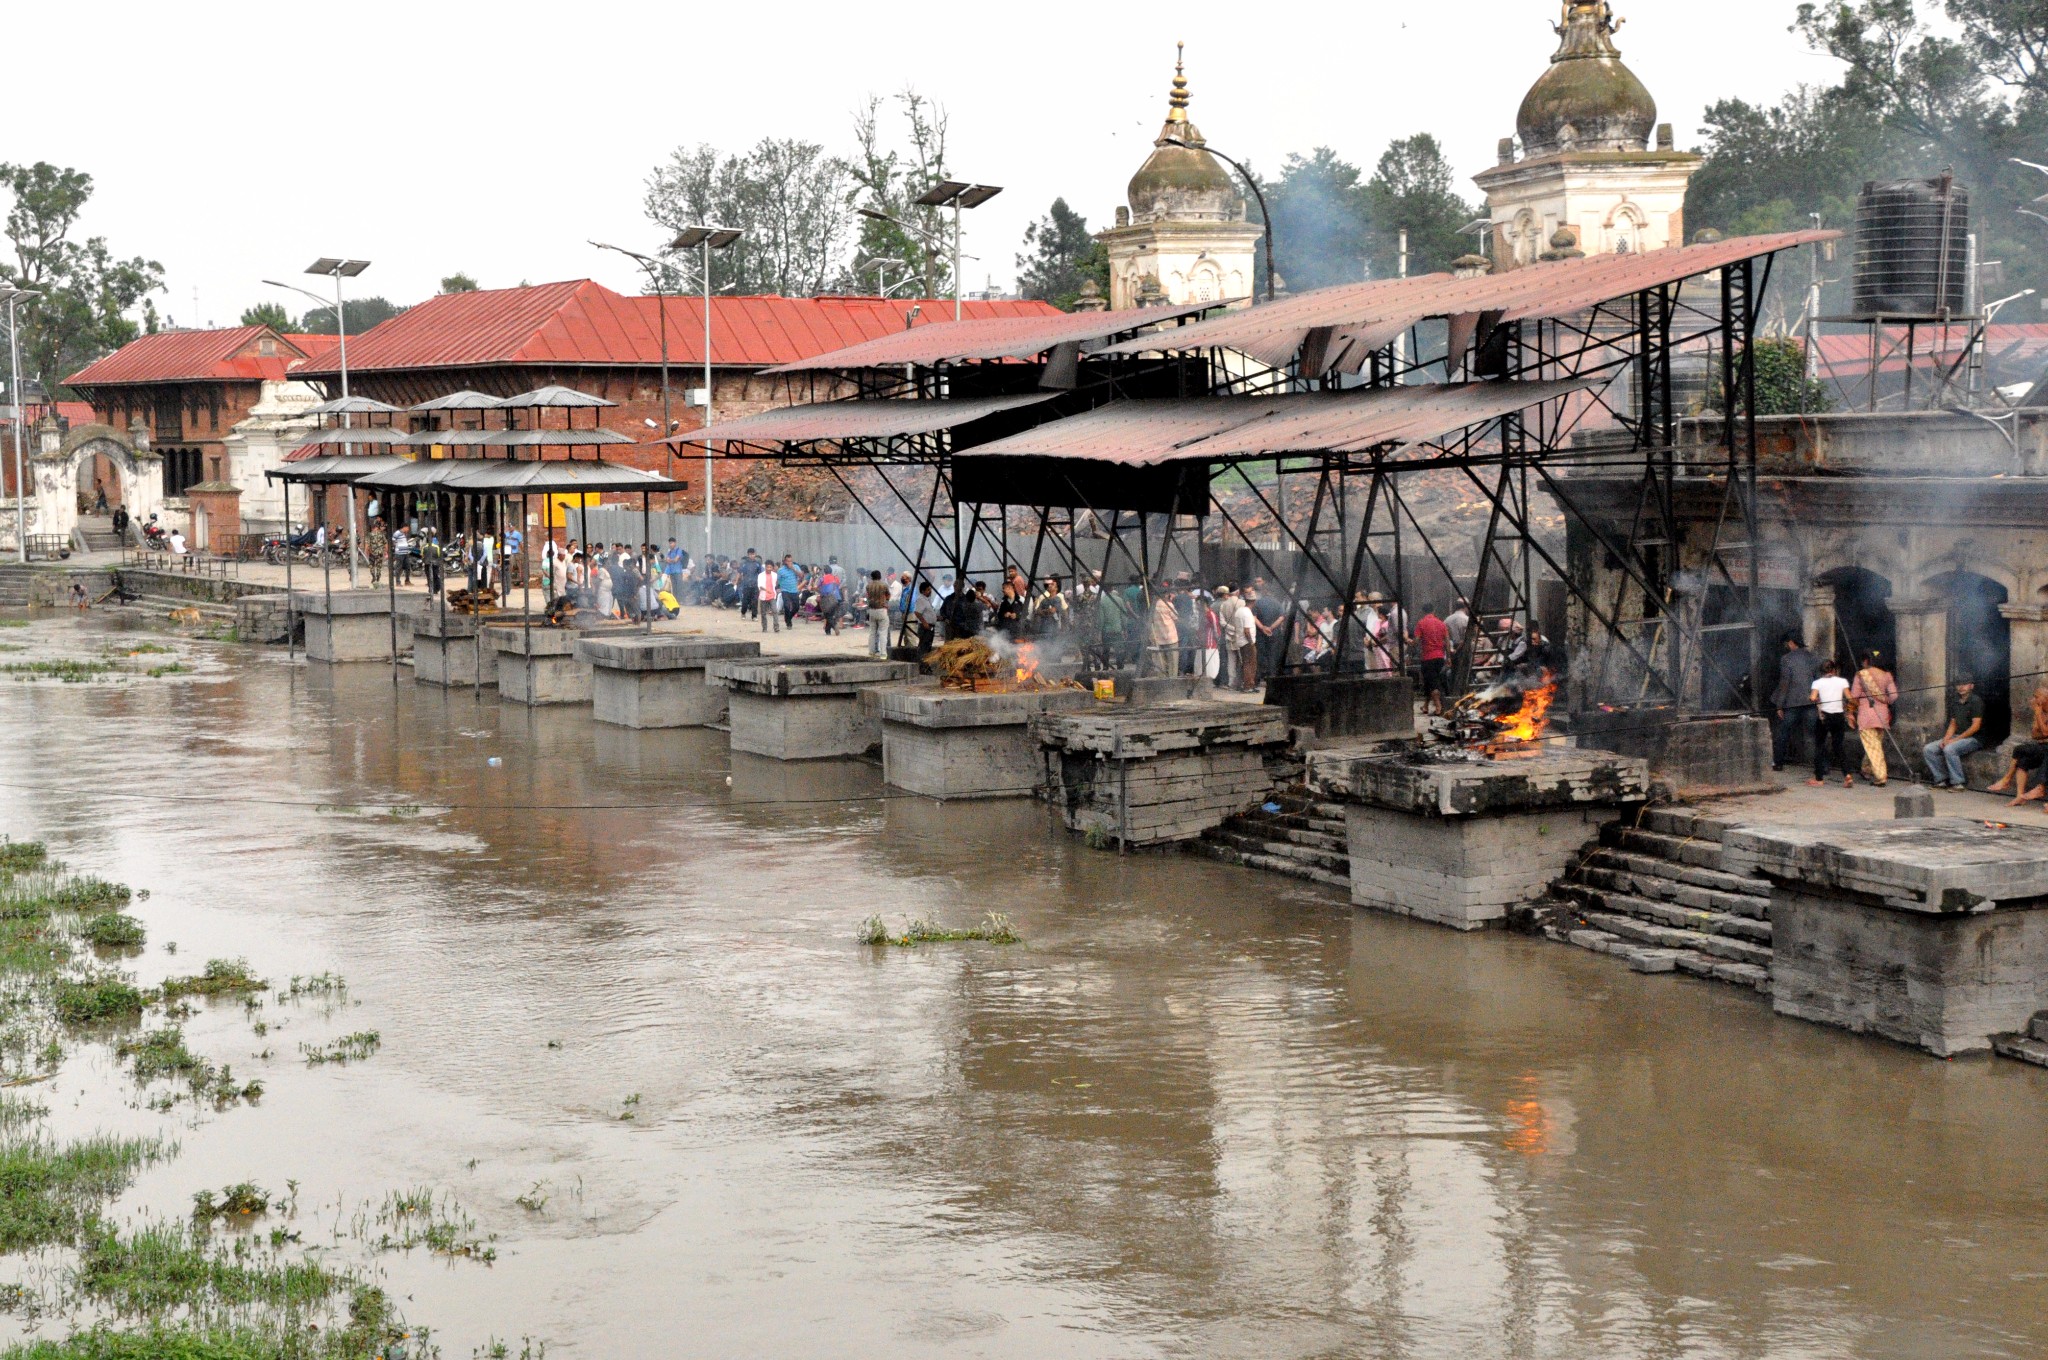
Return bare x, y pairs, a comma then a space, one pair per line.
59, 459
1980, 644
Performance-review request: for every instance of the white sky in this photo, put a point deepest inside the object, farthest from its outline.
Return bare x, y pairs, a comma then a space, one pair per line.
237, 141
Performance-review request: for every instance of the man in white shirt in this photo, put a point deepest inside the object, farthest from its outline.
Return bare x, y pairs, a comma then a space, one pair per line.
1830, 692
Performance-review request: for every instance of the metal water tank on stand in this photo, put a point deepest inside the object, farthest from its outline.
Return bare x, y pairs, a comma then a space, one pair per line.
1912, 250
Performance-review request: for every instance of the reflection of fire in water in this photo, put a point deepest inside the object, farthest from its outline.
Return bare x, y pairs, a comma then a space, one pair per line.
1531, 1128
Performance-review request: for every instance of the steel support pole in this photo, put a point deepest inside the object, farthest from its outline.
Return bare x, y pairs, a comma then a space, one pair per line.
20, 415
707, 398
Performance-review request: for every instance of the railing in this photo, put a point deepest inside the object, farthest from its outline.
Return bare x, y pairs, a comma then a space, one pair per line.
49, 547
188, 564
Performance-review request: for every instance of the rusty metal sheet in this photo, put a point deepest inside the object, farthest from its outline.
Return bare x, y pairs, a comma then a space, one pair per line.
1385, 307
1224, 429
853, 420
1019, 337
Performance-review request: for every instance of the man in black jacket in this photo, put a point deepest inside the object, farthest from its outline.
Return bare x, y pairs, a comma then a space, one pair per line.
1793, 700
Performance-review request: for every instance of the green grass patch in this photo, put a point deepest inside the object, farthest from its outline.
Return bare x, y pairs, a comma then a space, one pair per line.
221, 977
113, 930
16, 856
160, 1053
415, 1218
65, 669
169, 668
95, 999
347, 1049
50, 1191
995, 928
13, 623
243, 1199
151, 649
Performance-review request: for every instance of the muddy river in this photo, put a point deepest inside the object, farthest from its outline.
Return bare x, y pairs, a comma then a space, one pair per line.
1199, 1111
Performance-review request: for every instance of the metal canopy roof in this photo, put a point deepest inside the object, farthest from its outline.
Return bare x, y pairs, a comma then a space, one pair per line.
854, 420
553, 395
1018, 337
337, 468
358, 434
503, 476
464, 400
1372, 313
350, 406
1224, 429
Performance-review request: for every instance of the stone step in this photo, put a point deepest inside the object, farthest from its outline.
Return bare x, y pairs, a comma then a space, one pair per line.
1297, 821
2025, 1047
2039, 1028
1678, 915
1751, 975
1647, 932
1714, 879
1277, 829
1640, 876
1697, 853
1254, 843
1658, 959
1685, 823
1251, 859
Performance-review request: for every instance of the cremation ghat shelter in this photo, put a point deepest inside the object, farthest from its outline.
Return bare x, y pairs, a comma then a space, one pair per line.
1139, 431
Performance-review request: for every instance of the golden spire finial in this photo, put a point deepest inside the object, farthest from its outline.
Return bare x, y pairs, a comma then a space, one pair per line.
1177, 102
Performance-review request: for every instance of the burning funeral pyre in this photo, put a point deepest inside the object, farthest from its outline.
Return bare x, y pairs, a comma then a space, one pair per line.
1504, 722
990, 664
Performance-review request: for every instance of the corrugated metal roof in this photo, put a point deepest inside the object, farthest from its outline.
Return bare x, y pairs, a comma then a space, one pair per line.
507, 477
377, 434
1017, 337
1372, 313
1223, 429
854, 420
187, 356
581, 322
306, 467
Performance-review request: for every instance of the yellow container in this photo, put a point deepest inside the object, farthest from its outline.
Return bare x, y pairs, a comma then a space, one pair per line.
1105, 689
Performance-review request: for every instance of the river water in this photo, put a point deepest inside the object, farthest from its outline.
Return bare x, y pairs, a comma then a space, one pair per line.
1200, 1111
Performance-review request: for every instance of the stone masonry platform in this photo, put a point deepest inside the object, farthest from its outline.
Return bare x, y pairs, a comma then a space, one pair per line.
449, 648
1931, 932
804, 710
1160, 773
1459, 842
347, 625
540, 665
658, 680
958, 743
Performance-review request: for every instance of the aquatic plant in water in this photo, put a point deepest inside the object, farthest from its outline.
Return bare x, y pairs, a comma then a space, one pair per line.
995, 928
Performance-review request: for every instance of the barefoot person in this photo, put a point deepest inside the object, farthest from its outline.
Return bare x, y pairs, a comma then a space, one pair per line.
2028, 758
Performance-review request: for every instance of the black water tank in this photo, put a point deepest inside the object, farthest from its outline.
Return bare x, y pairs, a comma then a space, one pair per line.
1913, 248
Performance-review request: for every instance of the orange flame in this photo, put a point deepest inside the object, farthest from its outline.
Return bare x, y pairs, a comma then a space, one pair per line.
1520, 731
1027, 663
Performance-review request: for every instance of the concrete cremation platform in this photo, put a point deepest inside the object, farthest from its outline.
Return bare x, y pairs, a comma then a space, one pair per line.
658, 680
804, 710
1167, 772
959, 743
1460, 841
451, 650
1929, 932
540, 665
347, 625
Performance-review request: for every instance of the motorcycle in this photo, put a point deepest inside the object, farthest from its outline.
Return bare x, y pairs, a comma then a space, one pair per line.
156, 537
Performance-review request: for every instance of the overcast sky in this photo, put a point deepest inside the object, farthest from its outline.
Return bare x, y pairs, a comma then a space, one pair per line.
235, 142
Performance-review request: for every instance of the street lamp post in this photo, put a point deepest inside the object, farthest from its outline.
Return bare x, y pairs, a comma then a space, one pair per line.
653, 268
14, 297
338, 269
1252, 183
947, 193
706, 239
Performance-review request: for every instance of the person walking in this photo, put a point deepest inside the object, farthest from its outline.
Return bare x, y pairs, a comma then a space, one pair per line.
380, 548
750, 574
430, 557
1831, 739
764, 591
789, 587
1797, 670
831, 597
878, 615
1965, 720
1875, 692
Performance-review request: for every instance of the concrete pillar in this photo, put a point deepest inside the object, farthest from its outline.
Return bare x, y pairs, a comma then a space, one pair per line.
2029, 666
1818, 622
1922, 669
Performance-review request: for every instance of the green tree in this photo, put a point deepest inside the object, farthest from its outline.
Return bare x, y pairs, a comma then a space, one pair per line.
1782, 387
1411, 190
1060, 254
458, 283
788, 198
890, 174
85, 294
269, 314
1322, 223
363, 313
